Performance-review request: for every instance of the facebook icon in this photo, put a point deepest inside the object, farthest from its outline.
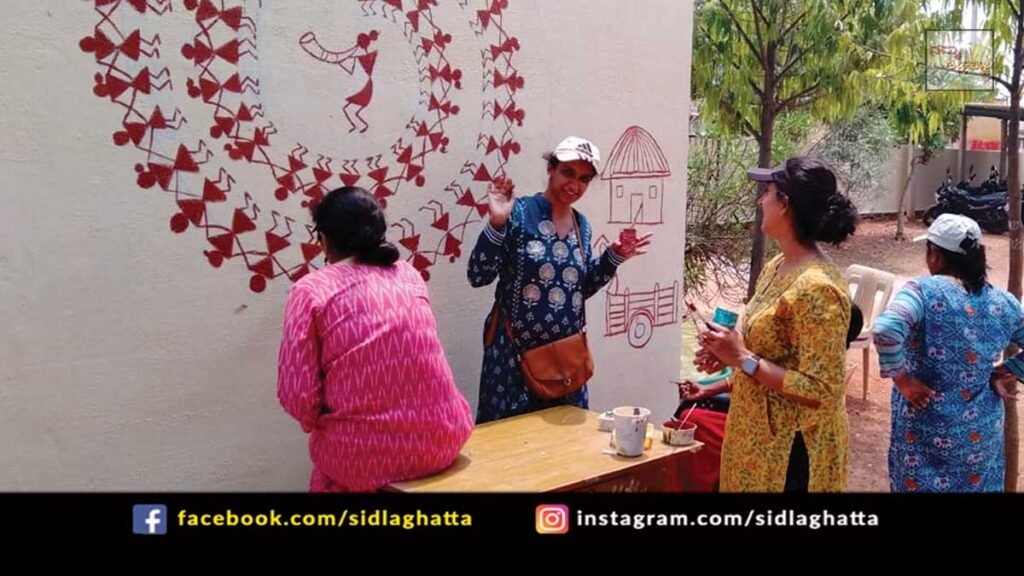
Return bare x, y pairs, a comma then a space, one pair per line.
149, 519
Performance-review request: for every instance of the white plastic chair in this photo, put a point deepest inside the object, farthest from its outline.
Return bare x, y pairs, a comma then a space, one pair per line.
870, 290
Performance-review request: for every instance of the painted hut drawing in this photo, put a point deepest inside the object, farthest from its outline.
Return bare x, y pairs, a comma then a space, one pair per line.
636, 171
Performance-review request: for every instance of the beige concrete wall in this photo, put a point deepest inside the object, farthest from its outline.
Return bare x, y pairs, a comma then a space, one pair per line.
155, 162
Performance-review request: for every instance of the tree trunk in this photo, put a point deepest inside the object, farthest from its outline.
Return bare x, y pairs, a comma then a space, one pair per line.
901, 207
764, 160
1016, 256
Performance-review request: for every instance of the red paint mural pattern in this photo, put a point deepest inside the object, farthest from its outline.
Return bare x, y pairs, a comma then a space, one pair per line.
196, 170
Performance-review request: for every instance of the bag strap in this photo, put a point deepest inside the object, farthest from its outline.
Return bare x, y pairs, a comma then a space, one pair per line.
583, 280
496, 309
579, 240
492, 329
512, 339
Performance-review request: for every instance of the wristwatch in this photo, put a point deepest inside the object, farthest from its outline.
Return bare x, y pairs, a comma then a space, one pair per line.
750, 364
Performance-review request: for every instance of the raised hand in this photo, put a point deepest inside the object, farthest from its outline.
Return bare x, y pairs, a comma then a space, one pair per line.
629, 245
500, 198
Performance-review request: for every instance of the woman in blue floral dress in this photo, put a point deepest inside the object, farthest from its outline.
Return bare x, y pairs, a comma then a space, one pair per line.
539, 249
939, 340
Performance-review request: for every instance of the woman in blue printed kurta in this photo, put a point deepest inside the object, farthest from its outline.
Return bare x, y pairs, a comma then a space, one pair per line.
539, 248
938, 340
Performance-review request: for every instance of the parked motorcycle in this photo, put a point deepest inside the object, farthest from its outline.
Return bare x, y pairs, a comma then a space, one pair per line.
986, 204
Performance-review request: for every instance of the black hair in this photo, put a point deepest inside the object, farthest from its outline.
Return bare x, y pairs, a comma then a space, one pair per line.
970, 268
352, 223
819, 211
856, 324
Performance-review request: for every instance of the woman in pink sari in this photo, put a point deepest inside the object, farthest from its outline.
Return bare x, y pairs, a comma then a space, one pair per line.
361, 366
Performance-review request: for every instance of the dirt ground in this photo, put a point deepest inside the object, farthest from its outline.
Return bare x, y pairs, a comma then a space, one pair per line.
873, 245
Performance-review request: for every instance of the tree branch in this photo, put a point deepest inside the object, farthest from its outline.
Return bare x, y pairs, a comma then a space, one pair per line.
743, 34
747, 126
1005, 83
756, 88
788, 103
848, 13
792, 47
792, 62
800, 54
798, 105
792, 26
783, 14
755, 4
874, 51
1013, 9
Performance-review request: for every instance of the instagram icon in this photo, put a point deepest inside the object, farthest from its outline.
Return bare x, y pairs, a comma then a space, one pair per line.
552, 519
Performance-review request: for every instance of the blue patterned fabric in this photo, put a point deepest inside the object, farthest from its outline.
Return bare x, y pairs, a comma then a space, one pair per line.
543, 282
948, 339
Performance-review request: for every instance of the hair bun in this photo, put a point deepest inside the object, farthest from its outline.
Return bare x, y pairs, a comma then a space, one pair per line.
839, 221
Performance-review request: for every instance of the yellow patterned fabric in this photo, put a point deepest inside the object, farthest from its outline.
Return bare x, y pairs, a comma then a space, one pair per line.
798, 320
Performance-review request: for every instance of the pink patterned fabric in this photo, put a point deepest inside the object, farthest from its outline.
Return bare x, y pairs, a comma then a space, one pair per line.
363, 371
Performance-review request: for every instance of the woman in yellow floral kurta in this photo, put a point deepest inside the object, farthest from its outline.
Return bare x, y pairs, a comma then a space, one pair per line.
787, 427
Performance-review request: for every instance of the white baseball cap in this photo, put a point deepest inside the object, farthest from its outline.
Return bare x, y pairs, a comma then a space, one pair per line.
948, 231
575, 148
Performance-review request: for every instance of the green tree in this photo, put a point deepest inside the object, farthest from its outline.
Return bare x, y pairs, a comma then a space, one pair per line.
1006, 19
759, 59
718, 207
924, 119
858, 149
